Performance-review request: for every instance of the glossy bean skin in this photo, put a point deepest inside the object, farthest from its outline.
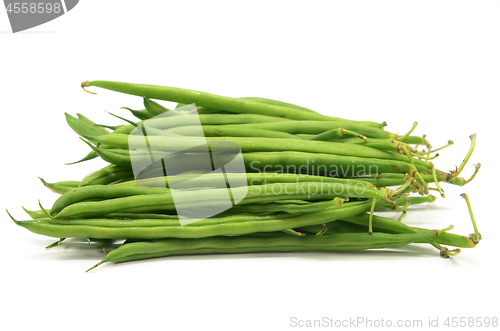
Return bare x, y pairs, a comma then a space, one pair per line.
211, 197
291, 208
104, 176
102, 192
212, 101
261, 243
254, 224
153, 107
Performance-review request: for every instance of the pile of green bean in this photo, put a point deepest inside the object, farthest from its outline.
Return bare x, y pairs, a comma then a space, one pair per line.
305, 185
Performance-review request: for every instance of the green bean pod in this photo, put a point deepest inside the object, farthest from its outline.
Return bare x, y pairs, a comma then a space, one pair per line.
234, 105
91, 155
283, 162
153, 107
317, 127
141, 114
196, 229
261, 243
61, 187
324, 164
291, 208
167, 122
253, 144
81, 126
211, 197
226, 131
102, 192
105, 175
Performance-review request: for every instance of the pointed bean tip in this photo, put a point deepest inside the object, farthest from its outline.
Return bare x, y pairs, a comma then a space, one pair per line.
95, 266
12, 218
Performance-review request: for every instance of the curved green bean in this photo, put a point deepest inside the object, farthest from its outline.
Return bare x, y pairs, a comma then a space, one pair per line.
212, 101
256, 243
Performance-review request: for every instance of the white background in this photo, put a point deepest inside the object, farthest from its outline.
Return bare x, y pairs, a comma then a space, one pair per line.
435, 62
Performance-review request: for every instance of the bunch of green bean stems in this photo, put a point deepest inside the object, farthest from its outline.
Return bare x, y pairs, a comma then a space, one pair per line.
306, 186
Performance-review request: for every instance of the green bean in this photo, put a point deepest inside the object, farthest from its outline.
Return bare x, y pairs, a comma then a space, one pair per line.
105, 175
388, 225
60, 187
153, 107
324, 164
209, 197
157, 109
81, 127
334, 227
262, 243
269, 208
166, 122
102, 191
35, 214
121, 157
225, 131
317, 127
284, 162
211, 100
253, 144
91, 155
252, 225
142, 114
94, 126
40, 214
